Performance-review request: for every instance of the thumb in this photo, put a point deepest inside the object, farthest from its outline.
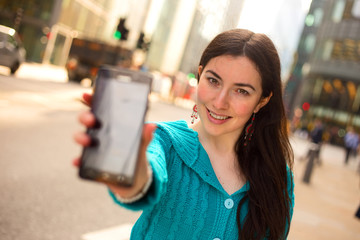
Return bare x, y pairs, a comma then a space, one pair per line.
146, 138
148, 133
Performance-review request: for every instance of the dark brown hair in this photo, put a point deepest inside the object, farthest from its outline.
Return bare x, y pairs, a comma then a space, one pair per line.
265, 158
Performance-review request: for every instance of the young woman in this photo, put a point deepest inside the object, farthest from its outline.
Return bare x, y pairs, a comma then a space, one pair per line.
228, 176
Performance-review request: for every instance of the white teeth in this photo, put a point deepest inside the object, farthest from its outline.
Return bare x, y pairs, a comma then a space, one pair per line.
217, 117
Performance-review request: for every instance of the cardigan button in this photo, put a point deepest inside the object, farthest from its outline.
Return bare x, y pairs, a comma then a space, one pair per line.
229, 203
216, 239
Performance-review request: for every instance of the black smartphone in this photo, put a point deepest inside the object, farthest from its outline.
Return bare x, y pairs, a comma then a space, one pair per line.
119, 103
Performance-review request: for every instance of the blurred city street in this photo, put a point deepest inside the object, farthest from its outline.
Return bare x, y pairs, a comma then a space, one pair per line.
43, 198
325, 208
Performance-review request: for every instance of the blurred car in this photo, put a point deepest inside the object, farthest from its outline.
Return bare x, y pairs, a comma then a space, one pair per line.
12, 53
87, 55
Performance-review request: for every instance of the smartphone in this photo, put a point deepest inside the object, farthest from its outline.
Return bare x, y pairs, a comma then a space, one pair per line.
119, 103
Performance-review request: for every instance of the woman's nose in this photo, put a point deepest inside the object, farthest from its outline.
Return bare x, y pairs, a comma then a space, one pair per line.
221, 100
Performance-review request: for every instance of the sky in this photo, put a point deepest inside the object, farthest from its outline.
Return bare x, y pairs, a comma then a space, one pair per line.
281, 20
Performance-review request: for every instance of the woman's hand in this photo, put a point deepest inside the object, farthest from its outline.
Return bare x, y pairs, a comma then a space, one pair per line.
87, 99
142, 174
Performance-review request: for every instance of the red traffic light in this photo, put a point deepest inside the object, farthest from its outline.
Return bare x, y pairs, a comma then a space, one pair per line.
306, 106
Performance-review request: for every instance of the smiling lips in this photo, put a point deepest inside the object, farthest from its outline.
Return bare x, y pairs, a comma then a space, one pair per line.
217, 117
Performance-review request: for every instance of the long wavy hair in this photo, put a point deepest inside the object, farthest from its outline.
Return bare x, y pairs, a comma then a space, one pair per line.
264, 159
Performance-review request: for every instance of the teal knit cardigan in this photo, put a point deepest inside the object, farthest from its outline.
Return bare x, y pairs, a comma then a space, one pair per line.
186, 200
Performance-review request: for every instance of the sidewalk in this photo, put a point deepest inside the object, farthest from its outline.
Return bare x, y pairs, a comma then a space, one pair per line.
38, 71
45, 72
325, 208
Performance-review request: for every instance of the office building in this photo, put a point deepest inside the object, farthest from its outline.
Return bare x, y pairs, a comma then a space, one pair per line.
325, 79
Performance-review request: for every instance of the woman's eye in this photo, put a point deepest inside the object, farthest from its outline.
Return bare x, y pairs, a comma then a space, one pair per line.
213, 81
242, 91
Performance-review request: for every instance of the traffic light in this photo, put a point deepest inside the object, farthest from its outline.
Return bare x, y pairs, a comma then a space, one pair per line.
142, 42
306, 106
121, 31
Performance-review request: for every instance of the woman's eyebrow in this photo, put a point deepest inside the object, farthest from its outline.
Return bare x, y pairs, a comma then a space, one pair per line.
236, 84
214, 73
245, 85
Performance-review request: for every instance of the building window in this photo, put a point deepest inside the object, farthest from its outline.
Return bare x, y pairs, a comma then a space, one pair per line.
318, 15
33, 9
315, 18
338, 11
317, 89
347, 49
352, 9
328, 48
355, 11
350, 49
310, 41
337, 50
309, 20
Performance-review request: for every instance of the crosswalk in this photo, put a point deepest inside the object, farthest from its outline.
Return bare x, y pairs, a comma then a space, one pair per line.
121, 232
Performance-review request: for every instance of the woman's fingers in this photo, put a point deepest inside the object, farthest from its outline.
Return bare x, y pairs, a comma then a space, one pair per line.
82, 138
87, 99
76, 162
87, 118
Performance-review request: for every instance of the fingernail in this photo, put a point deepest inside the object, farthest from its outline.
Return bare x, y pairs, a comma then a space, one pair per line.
97, 124
94, 142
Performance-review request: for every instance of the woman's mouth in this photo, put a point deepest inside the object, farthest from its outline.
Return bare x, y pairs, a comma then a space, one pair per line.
216, 116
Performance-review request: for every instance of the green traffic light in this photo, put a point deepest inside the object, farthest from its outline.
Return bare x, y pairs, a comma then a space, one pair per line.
190, 75
117, 35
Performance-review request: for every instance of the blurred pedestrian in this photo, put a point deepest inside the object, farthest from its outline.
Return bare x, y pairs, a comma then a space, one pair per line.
316, 134
316, 138
229, 175
351, 143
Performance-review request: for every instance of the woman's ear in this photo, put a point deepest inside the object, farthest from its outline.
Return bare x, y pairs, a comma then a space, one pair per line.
263, 101
200, 69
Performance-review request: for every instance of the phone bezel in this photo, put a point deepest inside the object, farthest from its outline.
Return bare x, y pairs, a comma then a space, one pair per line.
98, 175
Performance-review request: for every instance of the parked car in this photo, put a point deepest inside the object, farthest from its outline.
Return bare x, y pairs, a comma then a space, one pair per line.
12, 53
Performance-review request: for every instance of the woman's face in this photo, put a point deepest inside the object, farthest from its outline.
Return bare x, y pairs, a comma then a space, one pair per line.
229, 92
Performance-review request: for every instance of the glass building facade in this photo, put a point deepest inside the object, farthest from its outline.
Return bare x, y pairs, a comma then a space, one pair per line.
48, 27
211, 18
88, 19
33, 20
325, 80
84, 19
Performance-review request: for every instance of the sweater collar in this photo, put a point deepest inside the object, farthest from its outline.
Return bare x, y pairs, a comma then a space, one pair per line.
188, 147
184, 139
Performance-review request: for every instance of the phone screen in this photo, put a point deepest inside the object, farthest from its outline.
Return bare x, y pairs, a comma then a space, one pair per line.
119, 104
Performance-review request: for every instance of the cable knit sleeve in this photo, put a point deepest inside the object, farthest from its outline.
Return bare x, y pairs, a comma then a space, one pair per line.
290, 189
156, 155
290, 179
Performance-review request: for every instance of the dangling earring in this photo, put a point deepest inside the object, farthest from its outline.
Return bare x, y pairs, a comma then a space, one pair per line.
194, 114
249, 130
